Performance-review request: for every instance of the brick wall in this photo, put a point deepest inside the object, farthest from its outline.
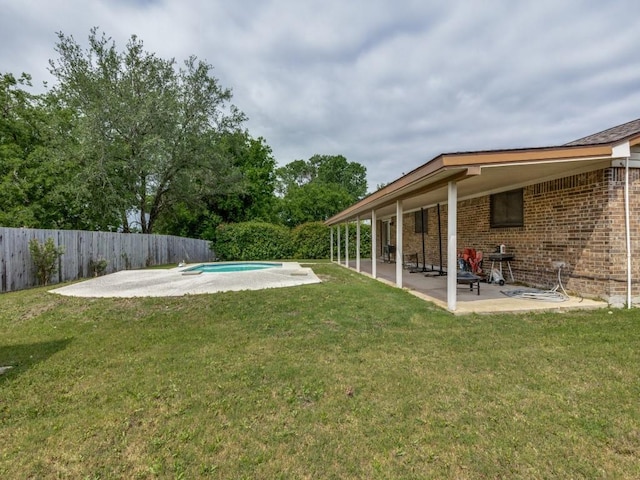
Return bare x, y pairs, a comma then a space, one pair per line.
578, 220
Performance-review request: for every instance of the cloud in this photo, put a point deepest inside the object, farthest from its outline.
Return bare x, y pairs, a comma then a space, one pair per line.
387, 84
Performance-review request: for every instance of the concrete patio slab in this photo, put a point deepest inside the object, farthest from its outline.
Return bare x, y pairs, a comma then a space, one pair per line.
433, 288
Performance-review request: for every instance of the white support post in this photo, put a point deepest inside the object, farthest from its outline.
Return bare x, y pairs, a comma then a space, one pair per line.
374, 246
346, 244
452, 245
339, 242
399, 255
358, 243
331, 245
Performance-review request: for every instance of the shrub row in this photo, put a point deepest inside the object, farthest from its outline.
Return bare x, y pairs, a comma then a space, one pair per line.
266, 241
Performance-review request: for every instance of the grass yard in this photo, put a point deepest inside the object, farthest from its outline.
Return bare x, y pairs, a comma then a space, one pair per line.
346, 379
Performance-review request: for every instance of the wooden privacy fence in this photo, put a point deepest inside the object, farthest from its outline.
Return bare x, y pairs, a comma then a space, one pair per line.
121, 250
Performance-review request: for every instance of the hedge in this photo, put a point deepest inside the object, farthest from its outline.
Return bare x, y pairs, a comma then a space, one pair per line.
252, 241
266, 241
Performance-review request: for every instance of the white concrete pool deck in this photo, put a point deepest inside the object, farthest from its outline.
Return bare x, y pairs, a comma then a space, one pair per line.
175, 282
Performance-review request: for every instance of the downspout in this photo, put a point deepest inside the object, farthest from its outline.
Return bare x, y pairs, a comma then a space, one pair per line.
627, 220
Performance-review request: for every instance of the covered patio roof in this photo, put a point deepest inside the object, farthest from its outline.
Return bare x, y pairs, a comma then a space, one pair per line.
486, 172
451, 177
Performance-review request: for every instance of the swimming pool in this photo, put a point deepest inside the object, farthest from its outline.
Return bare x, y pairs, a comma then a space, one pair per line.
175, 282
232, 267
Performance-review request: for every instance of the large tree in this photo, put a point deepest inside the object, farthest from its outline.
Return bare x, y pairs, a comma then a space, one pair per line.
147, 131
316, 189
312, 202
257, 168
249, 196
336, 170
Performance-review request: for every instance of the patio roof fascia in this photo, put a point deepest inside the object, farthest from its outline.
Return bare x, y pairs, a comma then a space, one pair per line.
379, 197
420, 184
529, 156
458, 166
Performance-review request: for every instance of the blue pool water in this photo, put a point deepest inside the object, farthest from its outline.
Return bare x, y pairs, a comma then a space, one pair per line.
232, 267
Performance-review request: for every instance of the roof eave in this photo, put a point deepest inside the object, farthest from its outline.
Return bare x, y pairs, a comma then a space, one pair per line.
457, 166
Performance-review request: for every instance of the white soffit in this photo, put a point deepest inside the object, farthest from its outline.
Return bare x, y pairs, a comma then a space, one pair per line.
621, 162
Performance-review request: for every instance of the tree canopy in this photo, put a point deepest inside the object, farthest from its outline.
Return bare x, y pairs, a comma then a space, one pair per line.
37, 181
129, 141
250, 196
319, 188
145, 128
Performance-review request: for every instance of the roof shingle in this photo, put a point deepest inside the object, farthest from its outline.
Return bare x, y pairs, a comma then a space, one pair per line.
610, 135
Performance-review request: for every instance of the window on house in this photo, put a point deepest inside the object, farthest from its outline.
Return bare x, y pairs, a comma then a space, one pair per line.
420, 219
507, 209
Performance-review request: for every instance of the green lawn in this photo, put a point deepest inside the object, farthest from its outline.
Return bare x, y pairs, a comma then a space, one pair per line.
345, 379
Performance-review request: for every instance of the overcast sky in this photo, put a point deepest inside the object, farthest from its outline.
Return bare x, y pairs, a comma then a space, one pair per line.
389, 84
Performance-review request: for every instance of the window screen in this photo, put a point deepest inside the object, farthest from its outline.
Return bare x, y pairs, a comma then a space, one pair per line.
507, 209
420, 219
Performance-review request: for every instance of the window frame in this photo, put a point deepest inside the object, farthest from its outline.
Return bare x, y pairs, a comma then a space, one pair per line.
507, 209
419, 221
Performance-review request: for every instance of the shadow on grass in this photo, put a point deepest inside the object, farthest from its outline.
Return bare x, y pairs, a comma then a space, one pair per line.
20, 358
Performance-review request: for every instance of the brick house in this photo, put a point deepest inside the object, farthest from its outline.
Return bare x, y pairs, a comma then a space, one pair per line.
577, 203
